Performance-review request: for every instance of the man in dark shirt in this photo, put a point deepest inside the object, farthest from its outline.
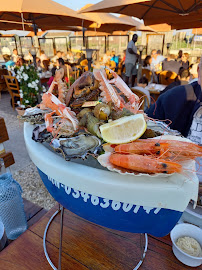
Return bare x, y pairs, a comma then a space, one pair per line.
170, 64
179, 105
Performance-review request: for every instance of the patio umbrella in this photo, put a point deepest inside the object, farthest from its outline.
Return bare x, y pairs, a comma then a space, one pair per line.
154, 11
108, 23
163, 27
187, 25
139, 26
46, 14
10, 25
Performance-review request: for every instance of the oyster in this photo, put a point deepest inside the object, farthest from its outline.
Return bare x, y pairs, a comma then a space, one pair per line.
34, 111
32, 119
33, 116
79, 146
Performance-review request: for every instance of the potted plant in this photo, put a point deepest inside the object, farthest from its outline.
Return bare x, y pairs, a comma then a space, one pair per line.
30, 88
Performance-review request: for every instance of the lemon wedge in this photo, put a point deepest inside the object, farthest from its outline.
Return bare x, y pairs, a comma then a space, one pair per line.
124, 130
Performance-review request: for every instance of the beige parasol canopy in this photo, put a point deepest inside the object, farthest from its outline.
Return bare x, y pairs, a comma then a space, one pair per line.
163, 27
154, 11
187, 25
104, 22
138, 25
46, 14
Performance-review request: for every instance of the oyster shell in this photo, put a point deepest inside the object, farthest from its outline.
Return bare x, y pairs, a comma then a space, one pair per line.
35, 111
79, 146
33, 115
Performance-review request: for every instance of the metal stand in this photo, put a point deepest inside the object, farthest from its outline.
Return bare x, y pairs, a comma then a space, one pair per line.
61, 210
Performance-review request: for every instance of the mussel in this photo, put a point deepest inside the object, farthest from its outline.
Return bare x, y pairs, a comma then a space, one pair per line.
40, 134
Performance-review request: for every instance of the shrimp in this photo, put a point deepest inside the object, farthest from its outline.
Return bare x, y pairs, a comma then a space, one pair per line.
142, 148
144, 164
180, 149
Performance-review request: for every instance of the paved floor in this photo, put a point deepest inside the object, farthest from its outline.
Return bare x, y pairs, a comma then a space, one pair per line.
24, 171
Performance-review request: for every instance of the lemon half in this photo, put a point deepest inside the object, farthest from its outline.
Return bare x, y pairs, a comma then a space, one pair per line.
124, 130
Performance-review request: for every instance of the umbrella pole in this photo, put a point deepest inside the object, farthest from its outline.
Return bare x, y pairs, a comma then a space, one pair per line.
83, 31
35, 28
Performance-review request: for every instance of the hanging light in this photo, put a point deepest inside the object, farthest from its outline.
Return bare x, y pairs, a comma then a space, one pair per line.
140, 48
33, 51
89, 56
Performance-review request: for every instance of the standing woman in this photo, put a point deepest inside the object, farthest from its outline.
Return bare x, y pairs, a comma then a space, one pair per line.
185, 61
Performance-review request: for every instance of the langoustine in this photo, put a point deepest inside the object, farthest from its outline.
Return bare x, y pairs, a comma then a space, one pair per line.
110, 94
123, 87
68, 121
62, 87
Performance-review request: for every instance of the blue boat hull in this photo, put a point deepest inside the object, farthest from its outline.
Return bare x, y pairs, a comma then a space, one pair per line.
113, 214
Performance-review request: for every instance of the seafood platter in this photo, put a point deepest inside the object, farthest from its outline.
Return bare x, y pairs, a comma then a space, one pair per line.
103, 159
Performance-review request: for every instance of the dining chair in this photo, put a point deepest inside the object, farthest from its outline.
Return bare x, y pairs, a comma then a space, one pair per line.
167, 77
120, 69
147, 73
2, 80
113, 65
13, 88
144, 96
84, 65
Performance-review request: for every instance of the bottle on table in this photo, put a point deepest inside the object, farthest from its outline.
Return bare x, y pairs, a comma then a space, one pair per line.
11, 206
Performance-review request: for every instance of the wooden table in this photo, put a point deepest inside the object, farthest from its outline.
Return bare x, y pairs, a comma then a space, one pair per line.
86, 246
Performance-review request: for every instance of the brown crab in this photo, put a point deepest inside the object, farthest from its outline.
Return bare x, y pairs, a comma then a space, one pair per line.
82, 87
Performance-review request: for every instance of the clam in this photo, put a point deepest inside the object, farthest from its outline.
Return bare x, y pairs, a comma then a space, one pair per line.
79, 146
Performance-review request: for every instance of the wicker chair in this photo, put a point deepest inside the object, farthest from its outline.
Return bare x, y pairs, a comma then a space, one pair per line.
84, 65
167, 77
147, 73
13, 88
2, 80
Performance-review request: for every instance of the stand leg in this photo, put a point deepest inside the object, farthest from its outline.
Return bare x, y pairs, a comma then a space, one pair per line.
61, 210
61, 234
142, 251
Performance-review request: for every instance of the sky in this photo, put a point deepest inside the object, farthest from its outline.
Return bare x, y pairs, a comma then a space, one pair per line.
76, 4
